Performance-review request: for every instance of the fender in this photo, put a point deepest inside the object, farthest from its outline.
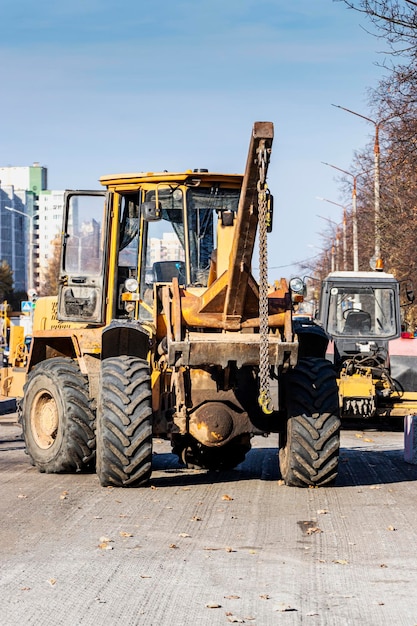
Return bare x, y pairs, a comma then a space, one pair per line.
312, 339
127, 337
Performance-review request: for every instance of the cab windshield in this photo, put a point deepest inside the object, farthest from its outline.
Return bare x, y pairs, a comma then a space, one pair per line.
180, 244
365, 311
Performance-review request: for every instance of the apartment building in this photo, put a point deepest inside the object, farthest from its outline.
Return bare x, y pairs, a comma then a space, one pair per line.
20, 188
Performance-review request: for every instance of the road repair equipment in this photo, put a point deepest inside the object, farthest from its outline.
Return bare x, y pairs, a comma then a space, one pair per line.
160, 329
361, 313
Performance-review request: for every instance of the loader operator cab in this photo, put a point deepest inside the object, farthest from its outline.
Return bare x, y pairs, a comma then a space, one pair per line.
119, 245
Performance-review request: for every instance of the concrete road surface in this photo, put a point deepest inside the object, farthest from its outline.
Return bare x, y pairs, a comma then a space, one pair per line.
211, 549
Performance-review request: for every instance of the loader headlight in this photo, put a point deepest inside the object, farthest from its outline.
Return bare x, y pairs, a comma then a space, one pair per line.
131, 284
297, 285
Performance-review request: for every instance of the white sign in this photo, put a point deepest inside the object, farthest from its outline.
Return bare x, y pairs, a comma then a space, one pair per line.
26, 306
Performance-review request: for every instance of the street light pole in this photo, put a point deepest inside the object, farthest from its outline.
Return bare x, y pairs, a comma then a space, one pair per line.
354, 215
377, 125
335, 243
344, 247
30, 218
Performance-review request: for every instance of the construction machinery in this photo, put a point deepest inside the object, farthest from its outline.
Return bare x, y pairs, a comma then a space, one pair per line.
361, 313
160, 329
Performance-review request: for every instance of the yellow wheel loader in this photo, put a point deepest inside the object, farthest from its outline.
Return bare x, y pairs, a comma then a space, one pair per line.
160, 329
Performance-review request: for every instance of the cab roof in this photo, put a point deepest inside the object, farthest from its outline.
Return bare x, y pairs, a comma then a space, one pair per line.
360, 276
190, 177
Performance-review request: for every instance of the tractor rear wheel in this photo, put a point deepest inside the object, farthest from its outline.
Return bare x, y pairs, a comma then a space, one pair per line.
124, 423
310, 452
57, 420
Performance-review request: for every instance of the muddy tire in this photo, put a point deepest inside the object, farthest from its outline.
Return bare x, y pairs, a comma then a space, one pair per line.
57, 420
124, 423
310, 452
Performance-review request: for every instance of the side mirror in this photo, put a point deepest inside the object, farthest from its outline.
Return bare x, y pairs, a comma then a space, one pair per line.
151, 212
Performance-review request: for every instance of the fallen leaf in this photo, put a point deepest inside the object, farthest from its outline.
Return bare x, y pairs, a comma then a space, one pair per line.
280, 482
153, 487
195, 518
22, 495
173, 546
359, 435
52, 581
235, 619
341, 561
375, 487
265, 596
313, 530
24, 588
104, 543
391, 528
125, 534
184, 535
213, 605
226, 497
232, 597
322, 512
368, 440
229, 549
282, 607
144, 576
383, 565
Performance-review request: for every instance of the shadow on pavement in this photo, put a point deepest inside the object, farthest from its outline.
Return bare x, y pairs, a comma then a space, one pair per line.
357, 466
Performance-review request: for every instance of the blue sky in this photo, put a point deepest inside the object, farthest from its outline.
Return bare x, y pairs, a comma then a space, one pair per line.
94, 87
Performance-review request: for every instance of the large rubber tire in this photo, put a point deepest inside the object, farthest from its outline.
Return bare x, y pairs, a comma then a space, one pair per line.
310, 454
124, 423
57, 420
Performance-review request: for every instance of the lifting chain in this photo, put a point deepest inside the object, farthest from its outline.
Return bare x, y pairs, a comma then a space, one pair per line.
264, 400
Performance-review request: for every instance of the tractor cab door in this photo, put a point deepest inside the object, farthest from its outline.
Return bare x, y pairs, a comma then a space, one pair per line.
83, 259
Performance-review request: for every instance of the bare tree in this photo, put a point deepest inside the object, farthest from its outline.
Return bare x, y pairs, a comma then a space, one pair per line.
394, 20
6, 279
50, 274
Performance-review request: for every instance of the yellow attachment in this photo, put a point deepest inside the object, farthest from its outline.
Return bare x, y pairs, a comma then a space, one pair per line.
16, 345
356, 386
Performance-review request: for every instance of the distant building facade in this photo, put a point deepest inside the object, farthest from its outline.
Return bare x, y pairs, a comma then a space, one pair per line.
30, 217
50, 212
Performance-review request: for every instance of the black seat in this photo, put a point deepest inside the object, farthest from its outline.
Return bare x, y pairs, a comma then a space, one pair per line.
357, 322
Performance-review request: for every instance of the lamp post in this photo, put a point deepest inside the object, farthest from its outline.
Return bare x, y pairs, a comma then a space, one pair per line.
377, 125
334, 244
343, 228
30, 265
354, 215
